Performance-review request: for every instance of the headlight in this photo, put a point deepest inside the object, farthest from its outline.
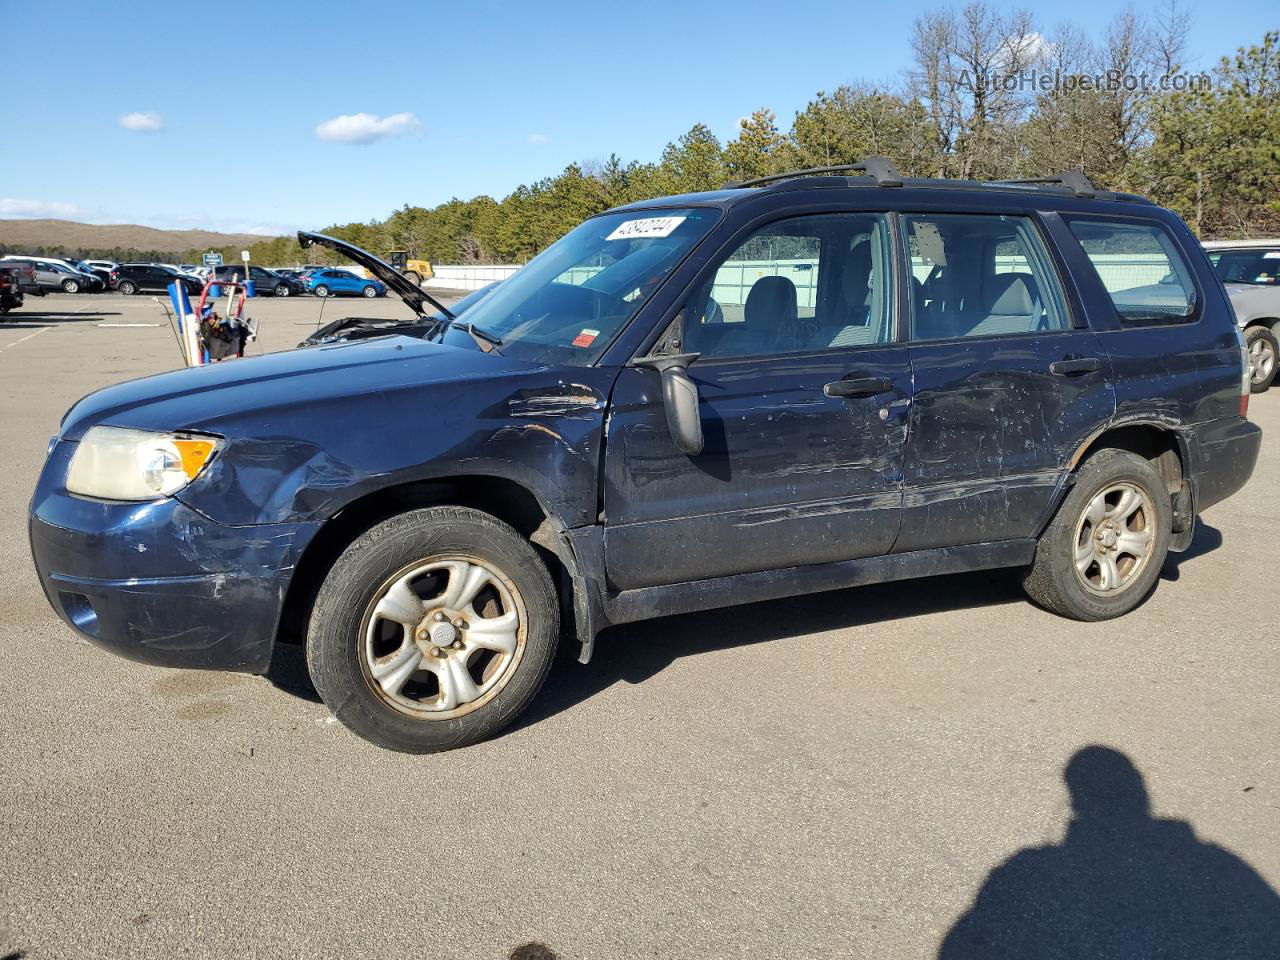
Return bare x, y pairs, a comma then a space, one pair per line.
114, 463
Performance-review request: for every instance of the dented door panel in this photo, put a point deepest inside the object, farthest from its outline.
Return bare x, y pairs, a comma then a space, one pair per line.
789, 475
992, 430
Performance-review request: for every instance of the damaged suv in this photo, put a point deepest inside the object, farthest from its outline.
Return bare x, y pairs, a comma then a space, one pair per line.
795, 384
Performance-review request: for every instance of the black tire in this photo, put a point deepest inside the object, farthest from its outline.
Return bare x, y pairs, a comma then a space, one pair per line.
127, 287
281, 290
335, 636
1052, 580
1262, 345
321, 290
369, 291
71, 286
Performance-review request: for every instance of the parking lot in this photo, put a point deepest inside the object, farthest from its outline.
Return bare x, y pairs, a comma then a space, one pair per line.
827, 776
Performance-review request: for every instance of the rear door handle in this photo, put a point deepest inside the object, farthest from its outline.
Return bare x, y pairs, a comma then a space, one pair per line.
858, 387
1067, 368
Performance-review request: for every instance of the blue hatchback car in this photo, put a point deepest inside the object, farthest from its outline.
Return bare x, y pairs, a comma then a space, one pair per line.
799, 383
335, 282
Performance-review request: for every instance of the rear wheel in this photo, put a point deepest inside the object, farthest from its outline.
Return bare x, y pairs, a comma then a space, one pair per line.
1101, 554
71, 286
433, 630
1264, 350
322, 291
370, 292
127, 287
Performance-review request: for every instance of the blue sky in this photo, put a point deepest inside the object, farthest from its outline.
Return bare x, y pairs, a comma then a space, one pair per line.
496, 95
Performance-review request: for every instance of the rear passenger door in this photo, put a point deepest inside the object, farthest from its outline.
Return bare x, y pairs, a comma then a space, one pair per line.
1009, 382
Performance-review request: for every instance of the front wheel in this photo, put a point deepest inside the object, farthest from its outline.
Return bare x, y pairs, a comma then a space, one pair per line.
1101, 554
71, 286
282, 289
433, 630
1264, 350
370, 292
322, 291
413, 277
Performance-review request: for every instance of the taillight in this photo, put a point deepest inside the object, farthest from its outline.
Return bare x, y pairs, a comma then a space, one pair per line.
1246, 378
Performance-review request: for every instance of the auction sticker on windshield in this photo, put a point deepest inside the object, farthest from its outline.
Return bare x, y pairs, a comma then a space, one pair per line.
648, 227
586, 338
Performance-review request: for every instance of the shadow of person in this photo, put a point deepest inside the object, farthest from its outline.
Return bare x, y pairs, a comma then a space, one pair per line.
1122, 884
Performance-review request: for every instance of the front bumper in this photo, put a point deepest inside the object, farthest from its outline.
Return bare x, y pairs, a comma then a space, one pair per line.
158, 582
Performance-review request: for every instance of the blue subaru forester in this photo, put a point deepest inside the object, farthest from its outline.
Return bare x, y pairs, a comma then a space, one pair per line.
796, 384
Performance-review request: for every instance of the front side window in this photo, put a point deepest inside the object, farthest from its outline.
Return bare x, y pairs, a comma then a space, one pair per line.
1141, 268
980, 276
568, 302
806, 284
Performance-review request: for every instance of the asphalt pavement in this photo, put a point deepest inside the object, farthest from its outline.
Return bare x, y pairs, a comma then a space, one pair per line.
828, 776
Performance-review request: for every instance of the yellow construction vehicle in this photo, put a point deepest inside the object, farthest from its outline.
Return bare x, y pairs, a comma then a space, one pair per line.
415, 271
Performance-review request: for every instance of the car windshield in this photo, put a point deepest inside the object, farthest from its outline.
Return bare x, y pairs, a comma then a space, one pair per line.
1261, 267
567, 303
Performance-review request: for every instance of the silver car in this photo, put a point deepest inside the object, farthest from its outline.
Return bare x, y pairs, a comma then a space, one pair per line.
57, 275
1250, 270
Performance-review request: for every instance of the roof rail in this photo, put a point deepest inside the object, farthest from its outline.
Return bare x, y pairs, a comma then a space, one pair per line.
880, 168
1073, 180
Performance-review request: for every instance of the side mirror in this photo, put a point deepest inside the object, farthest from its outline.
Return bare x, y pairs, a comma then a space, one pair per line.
680, 397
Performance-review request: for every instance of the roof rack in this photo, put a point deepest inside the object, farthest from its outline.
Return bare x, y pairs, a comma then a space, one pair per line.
1073, 180
881, 169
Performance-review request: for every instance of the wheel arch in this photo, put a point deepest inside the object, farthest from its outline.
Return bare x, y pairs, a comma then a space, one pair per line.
500, 497
1168, 449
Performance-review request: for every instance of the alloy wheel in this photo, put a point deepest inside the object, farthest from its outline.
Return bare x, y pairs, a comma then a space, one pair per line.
1114, 538
442, 637
1262, 360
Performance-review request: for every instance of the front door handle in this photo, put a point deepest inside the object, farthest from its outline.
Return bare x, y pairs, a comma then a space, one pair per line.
1067, 368
858, 387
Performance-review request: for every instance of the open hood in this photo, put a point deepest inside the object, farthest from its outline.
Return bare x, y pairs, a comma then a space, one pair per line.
410, 293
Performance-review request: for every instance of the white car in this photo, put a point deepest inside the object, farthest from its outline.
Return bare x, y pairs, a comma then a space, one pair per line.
1250, 270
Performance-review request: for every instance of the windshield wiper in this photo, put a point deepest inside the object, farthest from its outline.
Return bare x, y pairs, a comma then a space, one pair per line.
487, 342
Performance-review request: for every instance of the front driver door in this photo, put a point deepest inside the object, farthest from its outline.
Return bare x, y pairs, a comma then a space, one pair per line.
804, 395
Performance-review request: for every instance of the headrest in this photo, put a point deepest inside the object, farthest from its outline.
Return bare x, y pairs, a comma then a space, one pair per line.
772, 300
1013, 294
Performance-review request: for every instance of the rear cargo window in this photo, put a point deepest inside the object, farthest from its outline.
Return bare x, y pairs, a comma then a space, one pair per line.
1141, 268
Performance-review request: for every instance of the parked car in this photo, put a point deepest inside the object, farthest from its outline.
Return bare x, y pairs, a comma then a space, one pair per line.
134, 278
23, 274
1250, 270
53, 274
12, 280
107, 265
265, 283
102, 273
798, 384
334, 281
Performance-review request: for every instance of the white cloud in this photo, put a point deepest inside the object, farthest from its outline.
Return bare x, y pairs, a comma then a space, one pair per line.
13, 207
366, 127
142, 122
538, 139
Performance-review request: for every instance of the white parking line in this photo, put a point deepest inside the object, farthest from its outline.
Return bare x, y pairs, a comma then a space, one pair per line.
21, 339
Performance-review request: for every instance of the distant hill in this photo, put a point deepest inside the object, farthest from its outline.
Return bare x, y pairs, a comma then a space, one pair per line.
71, 235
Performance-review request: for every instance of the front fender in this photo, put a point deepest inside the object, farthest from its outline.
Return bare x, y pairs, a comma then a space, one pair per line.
543, 430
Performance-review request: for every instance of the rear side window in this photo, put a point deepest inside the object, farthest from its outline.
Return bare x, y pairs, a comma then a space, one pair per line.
1141, 268
980, 276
